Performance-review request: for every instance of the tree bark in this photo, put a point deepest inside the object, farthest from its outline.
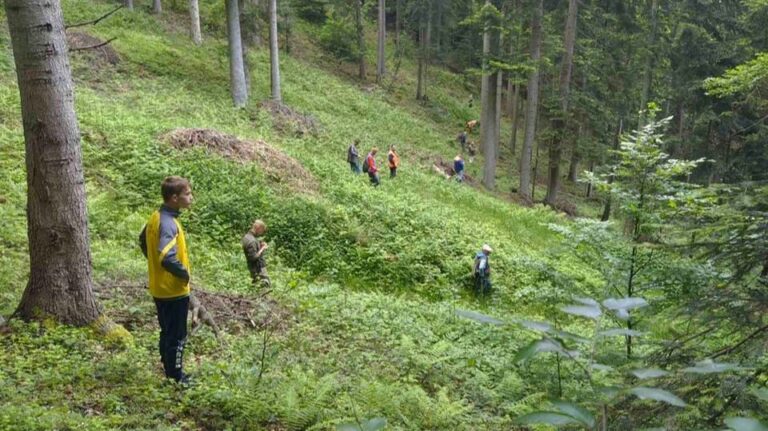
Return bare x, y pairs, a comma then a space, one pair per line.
515, 119
398, 24
244, 42
360, 37
607, 209
236, 67
274, 60
157, 7
382, 39
532, 103
128, 4
194, 17
487, 116
560, 122
648, 75
60, 282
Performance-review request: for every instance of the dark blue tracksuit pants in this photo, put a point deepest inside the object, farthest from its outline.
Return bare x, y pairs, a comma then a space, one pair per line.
172, 317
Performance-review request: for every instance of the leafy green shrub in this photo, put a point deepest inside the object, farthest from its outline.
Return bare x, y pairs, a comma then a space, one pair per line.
338, 37
312, 11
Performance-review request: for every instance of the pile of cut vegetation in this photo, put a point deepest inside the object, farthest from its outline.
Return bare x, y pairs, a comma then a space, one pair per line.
278, 166
287, 119
97, 51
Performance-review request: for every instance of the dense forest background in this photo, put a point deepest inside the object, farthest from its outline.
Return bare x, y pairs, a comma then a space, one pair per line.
621, 178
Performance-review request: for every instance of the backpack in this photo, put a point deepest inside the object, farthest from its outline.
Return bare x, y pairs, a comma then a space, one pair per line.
365, 165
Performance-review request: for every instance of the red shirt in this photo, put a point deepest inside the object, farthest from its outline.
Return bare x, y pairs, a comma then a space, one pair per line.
371, 164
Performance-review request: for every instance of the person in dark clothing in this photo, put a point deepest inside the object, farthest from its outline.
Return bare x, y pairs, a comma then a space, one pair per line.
373, 172
462, 138
353, 158
458, 167
164, 245
254, 247
482, 270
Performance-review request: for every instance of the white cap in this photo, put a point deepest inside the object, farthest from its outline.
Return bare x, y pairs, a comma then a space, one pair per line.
487, 248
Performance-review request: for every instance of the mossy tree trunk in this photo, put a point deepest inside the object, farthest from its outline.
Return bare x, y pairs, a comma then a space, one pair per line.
60, 282
157, 7
194, 22
360, 38
382, 38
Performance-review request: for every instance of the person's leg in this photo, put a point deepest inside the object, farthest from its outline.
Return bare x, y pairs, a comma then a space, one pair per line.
177, 337
392, 172
161, 320
377, 179
353, 165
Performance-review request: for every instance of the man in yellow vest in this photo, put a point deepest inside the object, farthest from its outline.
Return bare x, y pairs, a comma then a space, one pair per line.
164, 245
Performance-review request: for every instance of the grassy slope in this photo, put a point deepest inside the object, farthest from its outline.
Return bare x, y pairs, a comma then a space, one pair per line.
372, 276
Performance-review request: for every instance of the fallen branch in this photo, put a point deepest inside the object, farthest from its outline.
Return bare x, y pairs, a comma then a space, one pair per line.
95, 21
99, 45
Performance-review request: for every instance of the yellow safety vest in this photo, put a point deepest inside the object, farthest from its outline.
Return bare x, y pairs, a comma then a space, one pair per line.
163, 284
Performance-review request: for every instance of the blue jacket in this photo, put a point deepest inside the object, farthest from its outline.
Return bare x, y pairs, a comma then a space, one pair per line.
458, 166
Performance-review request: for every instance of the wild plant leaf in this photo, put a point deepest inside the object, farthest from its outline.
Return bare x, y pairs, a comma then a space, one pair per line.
536, 347
375, 424
478, 317
536, 326
601, 367
621, 331
649, 373
587, 301
656, 394
760, 393
544, 417
565, 335
624, 303
583, 310
708, 366
610, 392
575, 411
745, 424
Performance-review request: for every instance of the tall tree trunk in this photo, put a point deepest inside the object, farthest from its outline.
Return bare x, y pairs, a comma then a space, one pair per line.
487, 116
157, 7
236, 67
60, 282
420, 71
274, 60
128, 4
244, 38
194, 19
573, 168
608, 200
560, 122
382, 38
532, 103
360, 37
648, 74
515, 119
398, 24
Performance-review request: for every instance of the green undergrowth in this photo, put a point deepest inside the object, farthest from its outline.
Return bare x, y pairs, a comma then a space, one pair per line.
372, 276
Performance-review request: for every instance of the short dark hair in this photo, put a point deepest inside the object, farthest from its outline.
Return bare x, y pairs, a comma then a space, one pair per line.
173, 185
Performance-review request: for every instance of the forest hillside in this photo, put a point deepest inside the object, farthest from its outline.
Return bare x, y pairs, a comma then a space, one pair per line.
373, 320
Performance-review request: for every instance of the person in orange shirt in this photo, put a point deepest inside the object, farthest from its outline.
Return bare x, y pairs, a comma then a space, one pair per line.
394, 161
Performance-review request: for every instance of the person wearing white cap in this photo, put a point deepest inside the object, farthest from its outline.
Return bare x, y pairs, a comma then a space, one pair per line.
482, 270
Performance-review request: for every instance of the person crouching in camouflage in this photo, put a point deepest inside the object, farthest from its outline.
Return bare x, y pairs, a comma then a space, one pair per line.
254, 247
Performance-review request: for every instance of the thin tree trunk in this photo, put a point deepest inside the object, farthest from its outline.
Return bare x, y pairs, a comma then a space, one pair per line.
157, 7
427, 50
573, 168
560, 122
60, 282
128, 4
238, 85
382, 38
532, 103
274, 60
360, 37
398, 24
515, 118
607, 209
194, 18
420, 71
648, 75
487, 115
244, 44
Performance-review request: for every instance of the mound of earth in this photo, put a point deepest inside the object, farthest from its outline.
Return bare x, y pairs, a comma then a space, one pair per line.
287, 120
97, 56
446, 169
278, 166
130, 305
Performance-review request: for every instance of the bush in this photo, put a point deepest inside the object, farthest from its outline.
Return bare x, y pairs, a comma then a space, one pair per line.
338, 37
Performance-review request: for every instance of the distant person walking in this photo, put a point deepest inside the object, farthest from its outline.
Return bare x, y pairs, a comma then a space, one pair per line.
482, 270
462, 138
394, 161
353, 157
369, 167
470, 125
458, 167
164, 245
472, 150
254, 247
